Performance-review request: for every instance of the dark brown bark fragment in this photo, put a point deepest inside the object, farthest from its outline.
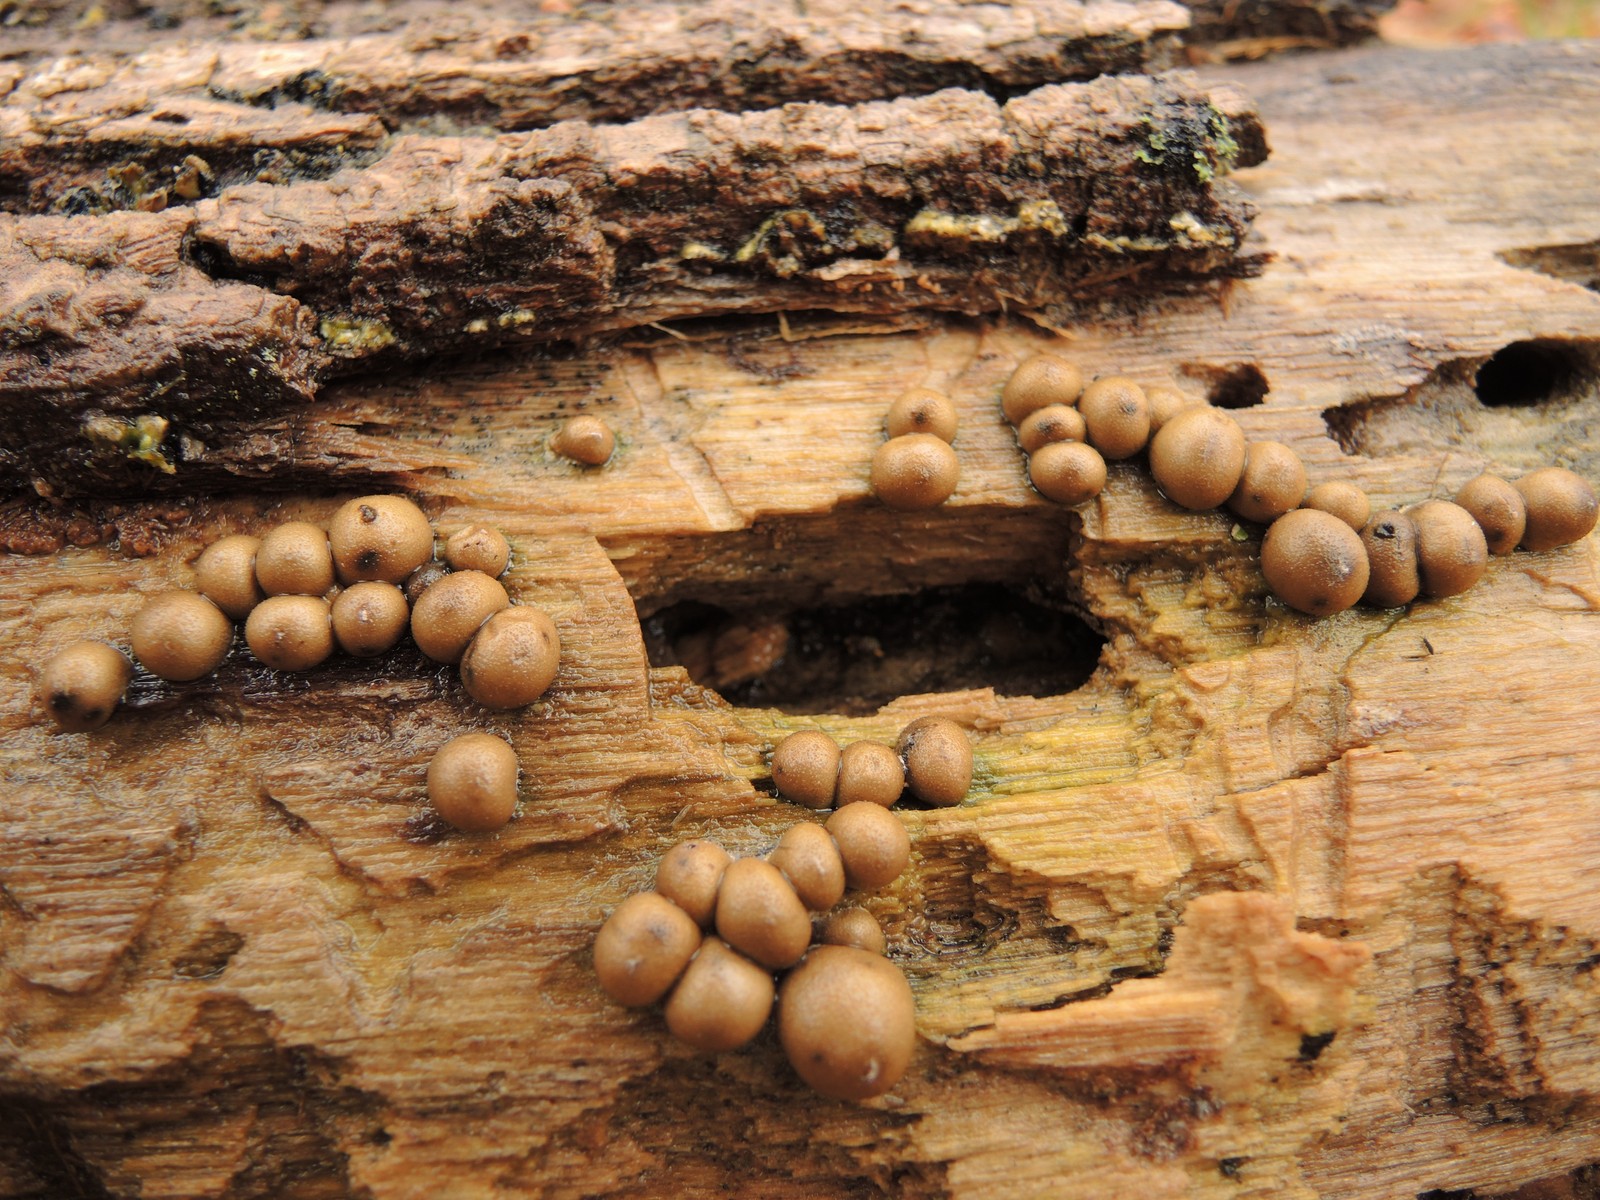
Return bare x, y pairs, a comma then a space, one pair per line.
1251, 28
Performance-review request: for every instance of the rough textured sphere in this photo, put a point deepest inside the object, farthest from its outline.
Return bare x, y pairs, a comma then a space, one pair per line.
294, 560
922, 410
805, 768
512, 659
1273, 481
873, 843
938, 758
1499, 510
1314, 562
1041, 380
225, 574
1116, 416
642, 949
1070, 473
1561, 508
1390, 540
472, 782
180, 636
855, 927
810, 861
587, 440
478, 548
1344, 500
447, 615
759, 914
847, 1021
1053, 423
870, 771
379, 537
370, 618
1197, 457
722, 1001
690, 875
914, 471
290, 633
1452, 553
82, 685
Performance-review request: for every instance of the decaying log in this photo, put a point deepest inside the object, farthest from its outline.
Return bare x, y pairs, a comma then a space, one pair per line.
1267, 907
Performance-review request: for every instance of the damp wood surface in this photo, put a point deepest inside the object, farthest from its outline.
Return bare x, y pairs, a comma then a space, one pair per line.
1265, 907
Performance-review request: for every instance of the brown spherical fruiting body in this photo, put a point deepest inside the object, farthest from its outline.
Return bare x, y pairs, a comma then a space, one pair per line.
914, 471
759, 914
423, 578
225, 573
294, 560
1314, 562
938, 757
1041, 380
478, 548
513, 658
873, 843
587, 440
447, 615
82, 685
1452, 553
1344, 500
472, 782
379, 537
1499, 510
1069, 473
180, 636
855, 927
1053, 423
810, 861
290, 633
805, 768
847, 1021
1198, 457
690, 875
1390, 540
1561, 508
1116, 416
1273, 481
1166, 403
869, 771
922, 410
370, 618
722, 1001
642, 949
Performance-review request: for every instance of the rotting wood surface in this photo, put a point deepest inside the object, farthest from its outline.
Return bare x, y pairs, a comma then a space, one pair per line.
1268, 907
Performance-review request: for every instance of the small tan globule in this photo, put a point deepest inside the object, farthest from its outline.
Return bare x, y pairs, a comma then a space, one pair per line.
1452, 553
1561, 508
478, 548
423, 578
869, 771
1344, 500
938, 759
1039, 381
513, 658
1197, 457
294, 560
82, 685
472, 782
290, 633
855, 927
805, 768
1314, 562
180, 636
722, 1001
643, 948
587, 440
873, 843
447, 615
848, 1022
914, 471
690, 875
1273, 481
1053, 423
382, 538
370, 618
1499, 510
1116, 416
1166, 403
225, 574
1390, 540
922, 410
810, 861
759, 913
1070, 473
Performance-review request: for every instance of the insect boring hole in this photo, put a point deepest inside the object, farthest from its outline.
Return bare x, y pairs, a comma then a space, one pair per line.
852, 658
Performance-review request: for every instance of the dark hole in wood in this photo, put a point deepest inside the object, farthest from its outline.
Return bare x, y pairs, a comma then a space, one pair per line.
1313, 1044
852, 659
1230, 385
1526, 373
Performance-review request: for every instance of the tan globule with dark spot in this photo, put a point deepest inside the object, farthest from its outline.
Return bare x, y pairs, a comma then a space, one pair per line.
1053, 423
447, 616
290, 633
1070, 473
585, 439
1197, 457
180, 636
1314, 562
513, 658
1344, 500
1561, 508
423, 578
1452, 553
82, 685
382, 538
810, 862
1116, 416
1039, 381
848, 1022
855, 927
1273, 481
370, 618
759, 913
478, 548
690, 875
873, 843
938, 760
294, 560
722, 1001
869, 771
1499, 510
922, 410
643, 948
472, 782
914, 471
225, 574
1390, 540
805, 768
